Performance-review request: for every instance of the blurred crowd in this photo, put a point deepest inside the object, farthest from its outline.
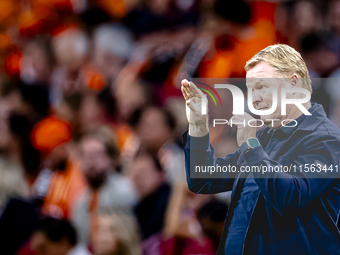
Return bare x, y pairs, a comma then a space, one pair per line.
91, 115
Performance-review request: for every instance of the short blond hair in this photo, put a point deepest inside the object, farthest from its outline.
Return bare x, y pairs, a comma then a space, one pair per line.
285, 59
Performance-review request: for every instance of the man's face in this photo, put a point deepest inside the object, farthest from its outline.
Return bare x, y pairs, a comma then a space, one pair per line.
262, 79
152, 129
95, 161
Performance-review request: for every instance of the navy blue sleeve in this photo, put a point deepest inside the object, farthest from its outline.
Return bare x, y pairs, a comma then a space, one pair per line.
294, 190
200, 153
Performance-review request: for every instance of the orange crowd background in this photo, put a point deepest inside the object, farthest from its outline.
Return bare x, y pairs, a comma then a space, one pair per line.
91, 114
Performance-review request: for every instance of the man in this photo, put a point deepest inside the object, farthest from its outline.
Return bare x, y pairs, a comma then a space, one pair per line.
107, 188
149, 179
272, 212
60, 182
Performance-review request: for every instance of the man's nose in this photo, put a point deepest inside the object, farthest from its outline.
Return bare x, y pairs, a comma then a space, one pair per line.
256, 97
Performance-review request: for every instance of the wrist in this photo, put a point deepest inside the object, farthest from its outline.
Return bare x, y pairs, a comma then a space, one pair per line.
250, 143
198, 130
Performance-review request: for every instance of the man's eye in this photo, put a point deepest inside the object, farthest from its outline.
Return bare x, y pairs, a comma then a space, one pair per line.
261, 87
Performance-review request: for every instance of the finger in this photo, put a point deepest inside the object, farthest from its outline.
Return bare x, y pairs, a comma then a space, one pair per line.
184, 82
185, 95
189, 87
186, 86
191, 105
186, 90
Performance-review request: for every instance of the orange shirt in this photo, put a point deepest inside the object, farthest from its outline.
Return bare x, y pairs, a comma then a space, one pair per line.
63, 191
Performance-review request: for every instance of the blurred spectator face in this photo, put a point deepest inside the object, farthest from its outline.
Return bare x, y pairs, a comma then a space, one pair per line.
70, 48
116, 234
34, 66
91, 114
95, 161
105, 241
109, 65
112, 46
152, 128
134, 93
159, 6
145, 176
306, 17
10, 103
14, 103
323, 60
334, 16
43, 246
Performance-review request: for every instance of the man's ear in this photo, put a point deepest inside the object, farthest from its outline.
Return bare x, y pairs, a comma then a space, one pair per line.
294, 80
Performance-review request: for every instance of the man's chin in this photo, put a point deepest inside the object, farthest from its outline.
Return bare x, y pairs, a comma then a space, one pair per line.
96, 180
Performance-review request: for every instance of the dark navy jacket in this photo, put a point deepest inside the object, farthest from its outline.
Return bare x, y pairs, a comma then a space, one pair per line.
295, 212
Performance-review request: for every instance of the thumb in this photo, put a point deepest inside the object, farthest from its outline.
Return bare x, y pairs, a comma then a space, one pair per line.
190, 105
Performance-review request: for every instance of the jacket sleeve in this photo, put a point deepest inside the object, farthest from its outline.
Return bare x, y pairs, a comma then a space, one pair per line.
200, 154
296, 189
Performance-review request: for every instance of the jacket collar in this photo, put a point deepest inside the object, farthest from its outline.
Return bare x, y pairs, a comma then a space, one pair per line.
307, 122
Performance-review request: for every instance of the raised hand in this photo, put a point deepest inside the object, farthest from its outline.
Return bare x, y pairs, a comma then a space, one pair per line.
198, 124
